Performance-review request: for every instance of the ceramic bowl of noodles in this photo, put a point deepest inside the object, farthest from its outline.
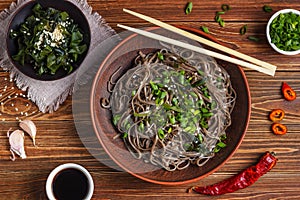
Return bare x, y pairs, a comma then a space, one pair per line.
165, 114
48, 40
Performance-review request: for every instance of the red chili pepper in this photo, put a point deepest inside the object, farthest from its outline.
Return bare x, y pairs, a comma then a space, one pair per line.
279, 129
288, 93
276, 115
242, 180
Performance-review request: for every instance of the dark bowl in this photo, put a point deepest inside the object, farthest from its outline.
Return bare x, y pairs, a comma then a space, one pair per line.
25, 11
115, 148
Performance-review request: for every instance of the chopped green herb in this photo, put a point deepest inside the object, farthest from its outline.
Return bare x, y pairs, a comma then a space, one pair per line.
172, 119
253, 38
222, 23
204, 29
243, 30
189, 8
219, 146
223, 137
161, 134
160, 56
116, 119
153, 86
220, 12
285, 31
219, 19
267, 8
225, 7
125, 135
141, 127
133, 92
142, 114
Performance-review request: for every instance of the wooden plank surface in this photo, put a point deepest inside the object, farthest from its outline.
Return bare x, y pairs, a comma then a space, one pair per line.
59, 143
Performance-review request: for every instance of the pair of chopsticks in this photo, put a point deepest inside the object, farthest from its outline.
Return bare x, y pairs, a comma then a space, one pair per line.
260, 66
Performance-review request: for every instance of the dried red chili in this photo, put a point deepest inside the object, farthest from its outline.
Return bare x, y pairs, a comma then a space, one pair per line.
279, 129
276, 115
242, 180
288, 93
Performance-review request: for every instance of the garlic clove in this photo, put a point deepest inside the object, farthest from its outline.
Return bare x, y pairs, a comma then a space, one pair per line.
29, 127
16, 141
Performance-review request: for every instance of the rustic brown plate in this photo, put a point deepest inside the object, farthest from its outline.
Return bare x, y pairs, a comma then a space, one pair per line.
122, 56
25, 11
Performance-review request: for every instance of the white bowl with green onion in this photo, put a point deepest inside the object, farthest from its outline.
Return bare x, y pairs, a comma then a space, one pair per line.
283, 31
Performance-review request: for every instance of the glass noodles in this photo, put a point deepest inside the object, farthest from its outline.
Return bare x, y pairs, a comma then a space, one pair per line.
172, 109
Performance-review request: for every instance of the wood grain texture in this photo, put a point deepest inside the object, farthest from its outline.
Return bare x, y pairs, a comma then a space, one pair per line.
59, 143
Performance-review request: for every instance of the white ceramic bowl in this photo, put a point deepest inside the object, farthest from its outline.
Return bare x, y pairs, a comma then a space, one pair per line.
268, 31
58, 169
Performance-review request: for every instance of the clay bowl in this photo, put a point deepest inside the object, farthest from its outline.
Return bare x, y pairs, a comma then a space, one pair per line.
115, 148
25, 11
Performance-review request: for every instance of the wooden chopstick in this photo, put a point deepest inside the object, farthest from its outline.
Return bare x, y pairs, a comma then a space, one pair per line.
198, 49
202, 40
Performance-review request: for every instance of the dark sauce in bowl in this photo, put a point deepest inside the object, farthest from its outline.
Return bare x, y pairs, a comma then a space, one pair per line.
70, 184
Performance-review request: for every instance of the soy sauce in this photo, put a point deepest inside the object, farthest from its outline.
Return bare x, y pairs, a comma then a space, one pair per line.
70, 184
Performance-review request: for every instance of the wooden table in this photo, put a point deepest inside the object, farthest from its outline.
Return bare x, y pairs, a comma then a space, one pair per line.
59, 143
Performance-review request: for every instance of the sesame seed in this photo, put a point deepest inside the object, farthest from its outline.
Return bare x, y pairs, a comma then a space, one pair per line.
16, 109
5, 79
12, 105
3, 119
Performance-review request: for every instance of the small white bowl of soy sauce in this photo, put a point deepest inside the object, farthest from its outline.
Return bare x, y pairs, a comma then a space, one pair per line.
69, 181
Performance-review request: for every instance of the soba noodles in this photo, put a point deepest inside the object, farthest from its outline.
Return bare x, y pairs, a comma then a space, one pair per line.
172, 109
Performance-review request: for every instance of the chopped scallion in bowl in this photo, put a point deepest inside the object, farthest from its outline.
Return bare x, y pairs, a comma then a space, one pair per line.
283, 31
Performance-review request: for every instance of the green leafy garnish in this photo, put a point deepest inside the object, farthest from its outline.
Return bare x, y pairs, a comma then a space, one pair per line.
253, 38
225, 7
161, 134
218, 18
243, 30
220, 13
219, 146
285, 31
204, 29
48, 40
189, 8
160, 56
267, 8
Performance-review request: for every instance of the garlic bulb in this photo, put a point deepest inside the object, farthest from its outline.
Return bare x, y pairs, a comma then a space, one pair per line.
16, 141
29, 127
